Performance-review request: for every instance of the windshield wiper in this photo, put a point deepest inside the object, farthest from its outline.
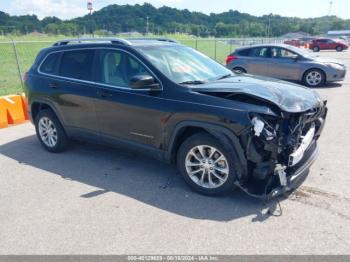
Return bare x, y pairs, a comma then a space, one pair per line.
224, 76
193, 82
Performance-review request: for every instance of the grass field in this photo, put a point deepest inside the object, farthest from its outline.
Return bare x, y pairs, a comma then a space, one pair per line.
28, 47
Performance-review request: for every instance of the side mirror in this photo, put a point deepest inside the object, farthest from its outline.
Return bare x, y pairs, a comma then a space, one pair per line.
144, 81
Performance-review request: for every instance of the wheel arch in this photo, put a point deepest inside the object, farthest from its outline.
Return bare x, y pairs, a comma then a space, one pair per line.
185, 129
37, 105
241, 67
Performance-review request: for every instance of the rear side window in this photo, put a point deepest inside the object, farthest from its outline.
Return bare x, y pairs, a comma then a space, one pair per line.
77, 64
244, 52
50, 64
258, 52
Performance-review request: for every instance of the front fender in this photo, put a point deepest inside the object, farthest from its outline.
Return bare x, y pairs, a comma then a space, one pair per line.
222, 133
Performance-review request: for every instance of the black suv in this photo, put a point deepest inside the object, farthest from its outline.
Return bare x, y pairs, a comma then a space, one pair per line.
174, 103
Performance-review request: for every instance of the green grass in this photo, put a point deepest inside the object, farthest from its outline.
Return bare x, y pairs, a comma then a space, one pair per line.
9, 77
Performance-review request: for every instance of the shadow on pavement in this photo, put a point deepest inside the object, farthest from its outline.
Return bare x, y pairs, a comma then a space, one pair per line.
136, 176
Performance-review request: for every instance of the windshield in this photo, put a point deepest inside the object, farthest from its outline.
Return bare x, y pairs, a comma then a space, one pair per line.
184, 65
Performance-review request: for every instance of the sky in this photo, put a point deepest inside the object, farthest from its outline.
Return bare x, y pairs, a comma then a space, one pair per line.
66, 9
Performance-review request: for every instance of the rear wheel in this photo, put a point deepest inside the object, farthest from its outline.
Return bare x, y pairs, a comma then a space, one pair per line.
206, 165
314, 78
339, 48
239, 70
50, 131
316, 49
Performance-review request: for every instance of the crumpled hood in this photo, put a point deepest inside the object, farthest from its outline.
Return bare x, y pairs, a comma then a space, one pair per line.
287, 96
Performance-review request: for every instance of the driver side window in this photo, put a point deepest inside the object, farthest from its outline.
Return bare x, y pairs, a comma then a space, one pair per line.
117, 68
277, 52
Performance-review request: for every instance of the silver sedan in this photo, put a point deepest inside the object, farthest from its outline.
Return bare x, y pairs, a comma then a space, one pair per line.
286, 62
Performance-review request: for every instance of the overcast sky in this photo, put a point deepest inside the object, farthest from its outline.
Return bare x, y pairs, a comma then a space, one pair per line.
66, 9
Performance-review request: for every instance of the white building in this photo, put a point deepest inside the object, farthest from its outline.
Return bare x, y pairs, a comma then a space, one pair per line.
339, 33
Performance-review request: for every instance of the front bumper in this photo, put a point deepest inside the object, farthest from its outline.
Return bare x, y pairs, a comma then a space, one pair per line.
334, 75
297, 174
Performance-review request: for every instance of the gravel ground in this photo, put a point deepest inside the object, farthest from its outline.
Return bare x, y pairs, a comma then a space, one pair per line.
97, 200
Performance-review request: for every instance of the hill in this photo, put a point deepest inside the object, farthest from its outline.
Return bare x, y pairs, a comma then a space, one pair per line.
114, 19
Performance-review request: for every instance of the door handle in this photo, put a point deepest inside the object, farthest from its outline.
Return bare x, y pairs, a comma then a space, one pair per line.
104, 94
54, 85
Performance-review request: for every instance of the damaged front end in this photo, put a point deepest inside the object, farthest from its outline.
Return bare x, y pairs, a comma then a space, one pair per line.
279, 150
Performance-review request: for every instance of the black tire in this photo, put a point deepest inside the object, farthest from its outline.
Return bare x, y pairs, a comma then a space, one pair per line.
318, 71
316, 49
62, 139
207, 140
239, 70
339, 48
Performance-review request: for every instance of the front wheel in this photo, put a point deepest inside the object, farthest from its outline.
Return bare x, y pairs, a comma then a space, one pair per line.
50, 131
339, 48
316, 49
314, 78
206, 165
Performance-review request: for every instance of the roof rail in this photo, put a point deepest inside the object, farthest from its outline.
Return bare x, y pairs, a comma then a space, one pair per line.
119, 41
154, 39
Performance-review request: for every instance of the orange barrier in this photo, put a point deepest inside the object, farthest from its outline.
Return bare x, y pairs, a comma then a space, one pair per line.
25, 107
12, 110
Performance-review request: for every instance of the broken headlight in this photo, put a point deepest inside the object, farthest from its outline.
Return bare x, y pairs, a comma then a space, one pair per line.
263, 128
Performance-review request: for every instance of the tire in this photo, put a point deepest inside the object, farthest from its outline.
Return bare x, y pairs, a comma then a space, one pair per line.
316, 49
239, 70
188, 153
314, 78
47, 123
339, 48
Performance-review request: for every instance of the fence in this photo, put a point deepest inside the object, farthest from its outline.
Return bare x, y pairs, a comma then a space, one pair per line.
16, 57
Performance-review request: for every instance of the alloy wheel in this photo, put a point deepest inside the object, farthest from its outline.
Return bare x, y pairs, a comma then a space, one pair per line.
47, 132
314, 78
207, 166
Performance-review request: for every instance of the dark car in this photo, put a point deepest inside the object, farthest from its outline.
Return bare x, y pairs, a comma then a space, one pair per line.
286, 62
328, 44
177, 105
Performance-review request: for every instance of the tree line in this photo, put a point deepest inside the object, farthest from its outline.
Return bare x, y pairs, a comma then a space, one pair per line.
114, 19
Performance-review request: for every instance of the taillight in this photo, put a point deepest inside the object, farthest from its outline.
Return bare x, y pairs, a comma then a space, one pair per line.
25, 77
230, 58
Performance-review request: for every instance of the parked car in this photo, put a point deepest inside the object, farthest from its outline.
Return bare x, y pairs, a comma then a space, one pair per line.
294, 42
328, 44
286, 62
173, 103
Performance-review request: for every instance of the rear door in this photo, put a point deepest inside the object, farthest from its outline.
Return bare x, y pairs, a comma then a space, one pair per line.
68, 81
257, 61
284, 64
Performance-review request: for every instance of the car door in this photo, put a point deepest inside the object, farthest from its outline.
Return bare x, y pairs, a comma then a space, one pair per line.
68, 78
257, 61
331, 44
323, 44
284, 64
125, 114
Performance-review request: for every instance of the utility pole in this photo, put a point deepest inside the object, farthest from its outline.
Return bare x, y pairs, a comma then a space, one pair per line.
330, 8
269, 28
147, 25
